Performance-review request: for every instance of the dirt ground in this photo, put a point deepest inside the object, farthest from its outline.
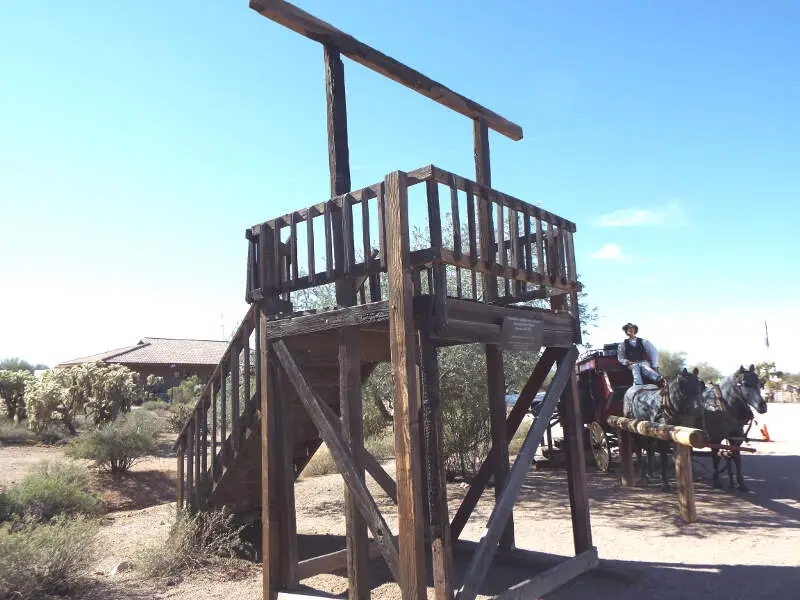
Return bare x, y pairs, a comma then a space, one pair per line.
743, 546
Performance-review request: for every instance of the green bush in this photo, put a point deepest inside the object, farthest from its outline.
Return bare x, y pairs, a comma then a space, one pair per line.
37, 560
118, 445
15, 433
194, 543
50, 489
381, 446
155, 405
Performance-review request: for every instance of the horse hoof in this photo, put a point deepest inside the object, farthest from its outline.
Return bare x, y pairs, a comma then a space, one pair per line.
743, 488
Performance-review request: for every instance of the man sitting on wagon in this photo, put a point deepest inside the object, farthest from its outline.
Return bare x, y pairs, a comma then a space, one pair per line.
640, 355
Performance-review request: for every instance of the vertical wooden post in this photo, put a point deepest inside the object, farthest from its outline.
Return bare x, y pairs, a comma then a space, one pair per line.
282, 476
234, 366
626, 457
494, 355
438, 514
190, 503
570, 409
406, 405
349, 351
269, 520
683, 475
181, 457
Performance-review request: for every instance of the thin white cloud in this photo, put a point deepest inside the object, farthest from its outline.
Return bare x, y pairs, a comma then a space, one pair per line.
610, 252
666, 216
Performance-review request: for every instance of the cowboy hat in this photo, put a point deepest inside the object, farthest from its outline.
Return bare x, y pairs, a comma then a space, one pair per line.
627, 325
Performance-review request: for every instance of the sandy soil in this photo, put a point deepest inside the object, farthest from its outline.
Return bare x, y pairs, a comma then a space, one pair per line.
743, 545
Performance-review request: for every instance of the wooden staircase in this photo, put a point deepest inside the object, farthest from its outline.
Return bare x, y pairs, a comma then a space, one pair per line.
220, 444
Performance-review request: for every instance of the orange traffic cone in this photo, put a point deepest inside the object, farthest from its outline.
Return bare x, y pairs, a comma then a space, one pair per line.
765, 433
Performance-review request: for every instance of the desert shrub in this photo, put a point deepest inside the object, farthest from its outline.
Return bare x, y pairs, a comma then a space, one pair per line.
516, 442
37, 560
155, 405
15, 433
320, 464
381, 445
118, 445
195, 542
50, 489
178, 416
187, 391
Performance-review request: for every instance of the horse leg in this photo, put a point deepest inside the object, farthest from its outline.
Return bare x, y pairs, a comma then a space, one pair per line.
637, 447
737, 460
715, 460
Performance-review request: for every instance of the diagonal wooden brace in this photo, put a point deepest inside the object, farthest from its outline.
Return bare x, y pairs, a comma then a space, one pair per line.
481, 560
326, 422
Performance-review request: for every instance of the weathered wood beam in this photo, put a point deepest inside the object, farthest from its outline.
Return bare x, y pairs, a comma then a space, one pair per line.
479, 565
683, 475
381, 477
570, 413
402, 344
328, 563
687, 436
270, 546
326, 422
315, 29
553, 578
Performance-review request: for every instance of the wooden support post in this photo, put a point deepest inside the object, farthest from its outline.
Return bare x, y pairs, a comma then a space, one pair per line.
576, 466
406, 405
481, 560
213, 401
494, 355
683, 475
626, 458
270, 527
438, 514
190, 501
283, 479
353, 433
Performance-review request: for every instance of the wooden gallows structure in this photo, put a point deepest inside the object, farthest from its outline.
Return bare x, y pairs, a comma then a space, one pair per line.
485, 257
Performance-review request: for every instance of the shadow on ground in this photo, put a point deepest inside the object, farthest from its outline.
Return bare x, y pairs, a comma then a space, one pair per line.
133, 490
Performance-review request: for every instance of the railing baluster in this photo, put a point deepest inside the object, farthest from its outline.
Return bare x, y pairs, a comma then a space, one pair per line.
197, 459
381, 199
203, 414
213, 402
539, 248
293, 247
348, 235
246, 359
572, 275
473, 242
310, 242
223, 403
526, 225
277, 255
235, 396
456, 218
513, 234
190, 497
181, 476
328, 242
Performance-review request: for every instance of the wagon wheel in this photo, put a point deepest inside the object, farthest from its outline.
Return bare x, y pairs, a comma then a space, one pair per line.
599, 446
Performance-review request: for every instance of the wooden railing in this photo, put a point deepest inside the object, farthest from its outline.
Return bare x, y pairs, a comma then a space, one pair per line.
226, 407
501, 249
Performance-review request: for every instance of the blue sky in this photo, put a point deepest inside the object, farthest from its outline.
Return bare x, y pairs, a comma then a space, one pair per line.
138, 140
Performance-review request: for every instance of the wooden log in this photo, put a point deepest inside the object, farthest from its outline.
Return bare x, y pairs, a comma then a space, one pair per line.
381, 477
328, 563
628, 477
479, 565
553, 578
325, 421
514, 420
687, 436
683, 475
315, 29
406, 406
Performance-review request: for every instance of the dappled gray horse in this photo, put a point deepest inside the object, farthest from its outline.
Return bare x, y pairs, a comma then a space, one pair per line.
678, 404
727, 408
